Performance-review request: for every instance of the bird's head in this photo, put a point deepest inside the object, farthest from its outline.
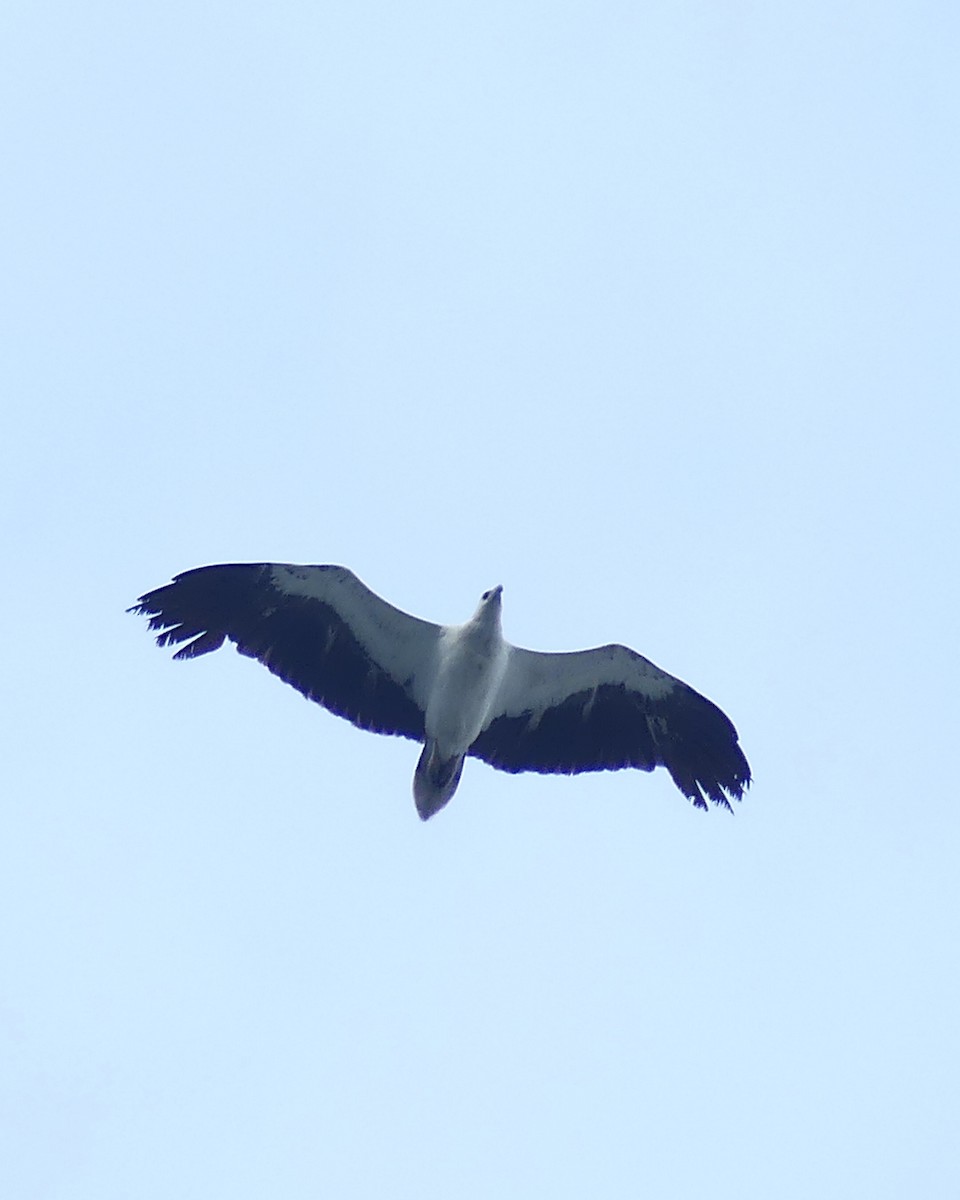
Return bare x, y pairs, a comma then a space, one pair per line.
488, 610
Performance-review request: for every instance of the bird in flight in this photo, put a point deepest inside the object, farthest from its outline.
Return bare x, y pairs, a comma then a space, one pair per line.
459, 689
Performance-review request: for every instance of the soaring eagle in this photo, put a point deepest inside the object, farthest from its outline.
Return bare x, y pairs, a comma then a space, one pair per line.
458, 689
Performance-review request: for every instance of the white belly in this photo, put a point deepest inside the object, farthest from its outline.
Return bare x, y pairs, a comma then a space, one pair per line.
469, 673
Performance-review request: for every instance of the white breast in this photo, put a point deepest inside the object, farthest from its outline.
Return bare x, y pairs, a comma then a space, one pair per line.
472, 661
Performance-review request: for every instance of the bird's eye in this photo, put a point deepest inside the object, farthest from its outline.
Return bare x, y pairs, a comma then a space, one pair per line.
485, 596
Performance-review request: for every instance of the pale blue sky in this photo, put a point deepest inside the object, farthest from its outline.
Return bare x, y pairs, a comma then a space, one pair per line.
647, 312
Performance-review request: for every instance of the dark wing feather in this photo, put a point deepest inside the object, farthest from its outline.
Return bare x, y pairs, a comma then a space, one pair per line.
317, 628
609, 708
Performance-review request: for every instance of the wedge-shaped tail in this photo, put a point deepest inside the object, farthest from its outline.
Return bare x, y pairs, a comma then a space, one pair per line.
435, 779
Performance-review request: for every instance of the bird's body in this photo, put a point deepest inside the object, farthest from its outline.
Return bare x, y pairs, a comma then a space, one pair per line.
472, 660
459, 689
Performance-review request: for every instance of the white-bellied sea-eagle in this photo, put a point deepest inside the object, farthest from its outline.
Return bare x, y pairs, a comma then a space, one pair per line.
458, 689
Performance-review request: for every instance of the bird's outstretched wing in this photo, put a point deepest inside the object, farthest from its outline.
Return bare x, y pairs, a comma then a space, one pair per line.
316, 627
603, 709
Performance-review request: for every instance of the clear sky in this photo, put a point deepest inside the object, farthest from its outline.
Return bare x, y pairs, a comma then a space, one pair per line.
647, 312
